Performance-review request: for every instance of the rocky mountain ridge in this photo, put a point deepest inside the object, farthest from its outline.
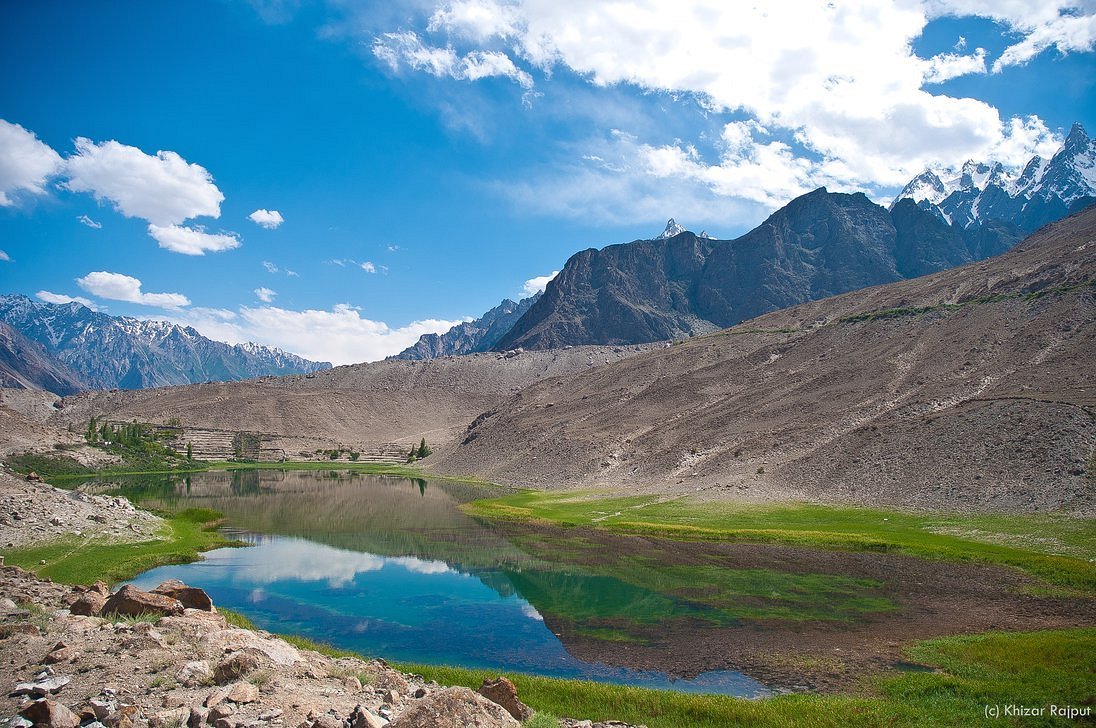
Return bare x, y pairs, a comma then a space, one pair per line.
470, 337
109, 352
979, 192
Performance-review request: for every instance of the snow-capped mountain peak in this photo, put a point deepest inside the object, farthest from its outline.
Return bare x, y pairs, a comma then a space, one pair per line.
1042, 191
672, 229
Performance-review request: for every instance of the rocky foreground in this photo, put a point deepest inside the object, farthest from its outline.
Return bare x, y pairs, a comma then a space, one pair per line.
80, 656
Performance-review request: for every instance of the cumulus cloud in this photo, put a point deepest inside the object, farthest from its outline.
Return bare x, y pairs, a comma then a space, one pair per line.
85, 220
535, 285
265, 294
368, 267
60, 298
5, 257
268, 219
192, 240
341, 335
26, 163
119, 287
163, 188
835, 91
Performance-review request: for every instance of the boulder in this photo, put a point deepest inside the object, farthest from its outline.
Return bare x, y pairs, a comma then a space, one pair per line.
236, 666
190, 597
124, 717
454, 708
194, 673
362, 718
502, 691
230, 640
88, 604
129, 601
243, 692
173, 718
50, 714
327, 721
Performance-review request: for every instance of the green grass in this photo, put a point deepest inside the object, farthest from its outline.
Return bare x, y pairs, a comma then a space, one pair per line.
76, 560
1032, 669
1055, 548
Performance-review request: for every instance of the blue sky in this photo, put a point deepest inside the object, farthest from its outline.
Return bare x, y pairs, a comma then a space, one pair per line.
427, 159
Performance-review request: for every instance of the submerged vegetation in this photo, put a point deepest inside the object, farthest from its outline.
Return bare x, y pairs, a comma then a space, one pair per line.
1054, 548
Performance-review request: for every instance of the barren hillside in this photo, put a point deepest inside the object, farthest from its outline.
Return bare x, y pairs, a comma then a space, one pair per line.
357, 406
971, 388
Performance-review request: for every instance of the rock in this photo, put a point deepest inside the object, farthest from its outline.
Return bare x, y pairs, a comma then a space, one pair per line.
230, 640
362, 718
102, 708
454, 708
124, 717
129, 601
34, 477
270, 715
327, 721
391, 680
190, 597
51, 686
243, 692
502, 691
216, 697
391, 697
50, 714
174, 718
221, 710
352, 683
88, 604
224, 723
20, 722
7, 606
198, 715
55, 521
60, 653
235, 666
419, 693
195, 673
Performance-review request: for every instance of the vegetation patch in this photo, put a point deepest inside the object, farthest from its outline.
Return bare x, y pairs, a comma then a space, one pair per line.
1035, 669
1053, 547
82, 560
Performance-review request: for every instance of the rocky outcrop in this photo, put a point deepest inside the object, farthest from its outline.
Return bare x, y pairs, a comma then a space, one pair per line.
455, 708
502, 691
129, 601
190, 597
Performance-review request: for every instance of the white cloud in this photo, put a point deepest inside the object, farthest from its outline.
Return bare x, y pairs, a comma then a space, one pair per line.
270, 267
61, 298
192, 241
368, 267
5, 257
834, 90
119, 287
265, 294
26, 163
164, 189
406, 48
535, 285
340, 336
393, 248
85, 220
268, 219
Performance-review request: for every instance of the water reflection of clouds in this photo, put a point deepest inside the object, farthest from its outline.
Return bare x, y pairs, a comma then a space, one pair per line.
290, 559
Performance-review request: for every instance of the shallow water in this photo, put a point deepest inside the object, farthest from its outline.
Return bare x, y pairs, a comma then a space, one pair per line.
391, 567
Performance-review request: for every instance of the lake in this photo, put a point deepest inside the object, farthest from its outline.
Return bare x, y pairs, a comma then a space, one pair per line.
391, 567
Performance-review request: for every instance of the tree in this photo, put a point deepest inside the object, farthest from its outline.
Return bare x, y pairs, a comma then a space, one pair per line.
423, 449
189, 452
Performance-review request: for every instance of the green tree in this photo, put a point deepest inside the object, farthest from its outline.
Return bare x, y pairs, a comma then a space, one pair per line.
423, 449
189, 452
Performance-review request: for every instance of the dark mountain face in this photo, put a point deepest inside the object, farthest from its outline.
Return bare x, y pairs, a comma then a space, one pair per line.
470, 337
819, 245
24, 364
108, 352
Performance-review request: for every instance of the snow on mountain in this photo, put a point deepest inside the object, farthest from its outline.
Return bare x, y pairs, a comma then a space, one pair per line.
129, 353
1044, 190
672, 229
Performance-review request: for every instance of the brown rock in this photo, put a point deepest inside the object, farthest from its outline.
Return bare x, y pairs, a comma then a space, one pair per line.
235, 666
129, 601
190, 597
454, 708
362, 718
194, 673
34, 477
173, 718
502, 691
50, 714
391, 680
198, 715
124, 717
60, 653
224, 723
221, 710
88, 604
242, 692
327, 721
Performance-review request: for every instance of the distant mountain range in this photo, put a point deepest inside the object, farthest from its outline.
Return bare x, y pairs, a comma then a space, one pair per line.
472, 336
68, 347
1044, 191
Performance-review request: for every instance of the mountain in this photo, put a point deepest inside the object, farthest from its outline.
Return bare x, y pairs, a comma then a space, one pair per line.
969, 389
24, 364
820, 244
108, 352
471, 336
1044, 191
